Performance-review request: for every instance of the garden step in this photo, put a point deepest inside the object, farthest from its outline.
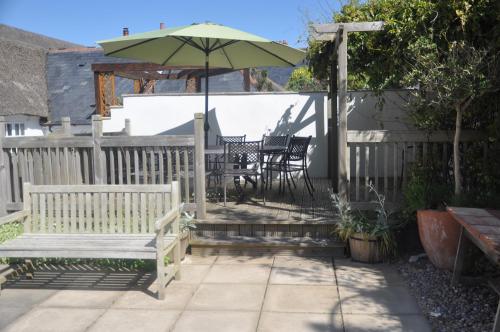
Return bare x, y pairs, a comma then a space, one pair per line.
246, 245
285, 230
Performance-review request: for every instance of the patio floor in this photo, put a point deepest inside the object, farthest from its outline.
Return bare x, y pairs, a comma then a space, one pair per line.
217, 293
279, 208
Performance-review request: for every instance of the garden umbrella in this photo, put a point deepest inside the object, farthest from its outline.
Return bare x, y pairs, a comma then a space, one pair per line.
204, 44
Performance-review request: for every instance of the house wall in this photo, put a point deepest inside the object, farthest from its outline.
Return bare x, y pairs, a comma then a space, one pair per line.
255, 114
31, 123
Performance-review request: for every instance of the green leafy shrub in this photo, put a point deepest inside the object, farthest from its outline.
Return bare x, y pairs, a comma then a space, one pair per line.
302, 79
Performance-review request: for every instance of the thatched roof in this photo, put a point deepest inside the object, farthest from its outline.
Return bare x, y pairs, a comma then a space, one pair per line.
33, 39
23, 58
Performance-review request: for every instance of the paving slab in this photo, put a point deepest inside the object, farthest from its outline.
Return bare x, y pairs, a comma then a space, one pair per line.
236, 260
395, 300
217, 321
10, 314
356, 274
133, 320
193, 274
302, 298
55, 320
303, 275
198, 260
224, 293
299, 322
247, 297
177, 296
383, 323
12, 297
92, 298
247, 274
298, 261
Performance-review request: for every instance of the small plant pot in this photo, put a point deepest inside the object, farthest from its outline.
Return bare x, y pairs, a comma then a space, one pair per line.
365, 248
439, 234
185, 237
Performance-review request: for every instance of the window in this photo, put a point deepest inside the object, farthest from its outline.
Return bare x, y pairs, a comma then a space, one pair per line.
15, 129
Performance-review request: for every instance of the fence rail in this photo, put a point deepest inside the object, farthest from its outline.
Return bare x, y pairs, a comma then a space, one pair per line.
98, 159
384, 158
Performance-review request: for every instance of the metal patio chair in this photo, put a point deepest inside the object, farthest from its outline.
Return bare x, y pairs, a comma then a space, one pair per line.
240, 159
293, 160
271, 156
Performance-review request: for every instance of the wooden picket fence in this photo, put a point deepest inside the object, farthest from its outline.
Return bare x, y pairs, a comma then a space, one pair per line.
97, 159
384, 158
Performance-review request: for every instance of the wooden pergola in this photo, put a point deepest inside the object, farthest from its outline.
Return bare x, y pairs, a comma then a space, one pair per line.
145, 76
338, 32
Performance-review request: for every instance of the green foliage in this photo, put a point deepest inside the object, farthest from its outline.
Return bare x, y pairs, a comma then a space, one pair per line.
383, 59
379, 223
302, 79
447, 52
262, 81
427, 188
187, 222
8, 232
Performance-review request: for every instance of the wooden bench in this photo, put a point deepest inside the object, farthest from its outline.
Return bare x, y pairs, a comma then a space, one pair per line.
100, 221
482, 228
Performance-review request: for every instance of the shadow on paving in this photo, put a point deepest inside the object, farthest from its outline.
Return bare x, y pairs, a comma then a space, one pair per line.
83, 277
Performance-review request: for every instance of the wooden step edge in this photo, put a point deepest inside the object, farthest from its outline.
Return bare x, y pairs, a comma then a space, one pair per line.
266, 222
234, 242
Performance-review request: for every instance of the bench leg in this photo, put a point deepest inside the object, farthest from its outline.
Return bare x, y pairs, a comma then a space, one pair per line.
30, 274
459, 259
160, 275
2, 280
177, 260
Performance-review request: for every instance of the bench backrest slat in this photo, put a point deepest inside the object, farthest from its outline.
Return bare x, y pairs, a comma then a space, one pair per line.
130, 209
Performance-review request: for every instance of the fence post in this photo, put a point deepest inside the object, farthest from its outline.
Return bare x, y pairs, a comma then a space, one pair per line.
199, 166
66, 126
128, 130
3, 171
97, 156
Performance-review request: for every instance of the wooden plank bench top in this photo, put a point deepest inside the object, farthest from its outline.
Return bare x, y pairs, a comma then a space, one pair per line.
483, 228
100, 221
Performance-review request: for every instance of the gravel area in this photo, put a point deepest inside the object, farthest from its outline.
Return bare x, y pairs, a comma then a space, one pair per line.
470, 307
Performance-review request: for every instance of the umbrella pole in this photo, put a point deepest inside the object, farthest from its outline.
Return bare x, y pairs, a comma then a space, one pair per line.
206, 127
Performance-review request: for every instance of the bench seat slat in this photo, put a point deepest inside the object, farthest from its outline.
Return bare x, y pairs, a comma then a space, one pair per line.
83, 246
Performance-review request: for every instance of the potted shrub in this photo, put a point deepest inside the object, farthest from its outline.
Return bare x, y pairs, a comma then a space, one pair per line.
370, 234
439, 233
187, 223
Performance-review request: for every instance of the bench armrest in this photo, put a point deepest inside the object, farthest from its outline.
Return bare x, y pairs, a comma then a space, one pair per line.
166, 219
16, 216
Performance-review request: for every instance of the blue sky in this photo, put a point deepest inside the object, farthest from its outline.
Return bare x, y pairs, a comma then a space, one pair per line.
86, 21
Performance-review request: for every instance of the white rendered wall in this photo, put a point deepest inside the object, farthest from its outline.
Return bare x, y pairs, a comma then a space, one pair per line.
32, 125
254, 114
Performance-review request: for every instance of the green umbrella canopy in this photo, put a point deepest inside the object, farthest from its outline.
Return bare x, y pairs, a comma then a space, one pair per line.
204, 44
189, 46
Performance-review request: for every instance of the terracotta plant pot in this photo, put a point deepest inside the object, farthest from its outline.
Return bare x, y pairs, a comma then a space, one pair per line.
365, 249
184, 238
439, 234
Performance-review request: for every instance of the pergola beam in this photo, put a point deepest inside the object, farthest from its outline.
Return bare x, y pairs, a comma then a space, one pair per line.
338, 32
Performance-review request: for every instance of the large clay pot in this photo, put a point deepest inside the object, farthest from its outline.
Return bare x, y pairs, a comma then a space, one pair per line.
439, 234
365, 249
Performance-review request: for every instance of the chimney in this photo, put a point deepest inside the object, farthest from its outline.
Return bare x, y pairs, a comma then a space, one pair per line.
125, 31
162, 25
